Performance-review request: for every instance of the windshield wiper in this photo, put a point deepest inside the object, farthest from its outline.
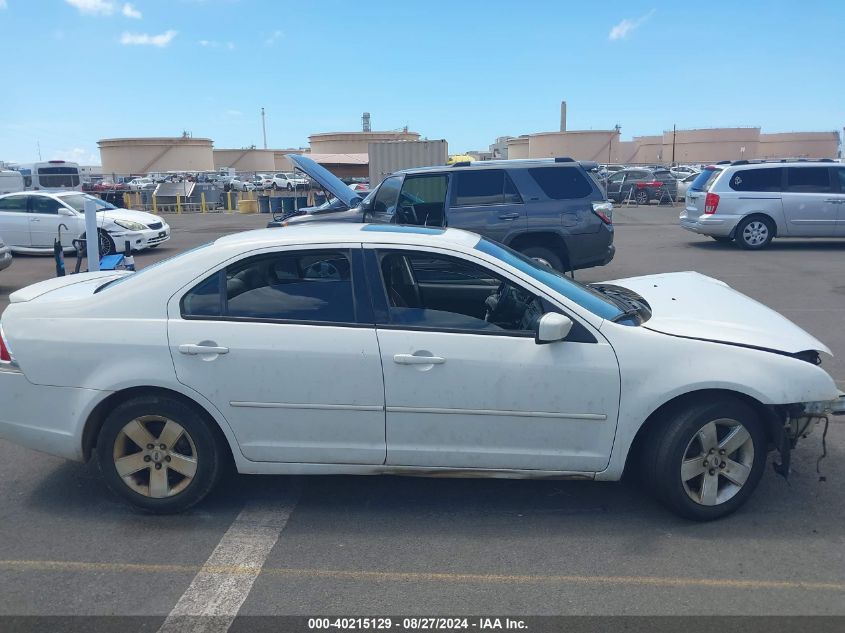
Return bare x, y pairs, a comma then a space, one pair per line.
626, 314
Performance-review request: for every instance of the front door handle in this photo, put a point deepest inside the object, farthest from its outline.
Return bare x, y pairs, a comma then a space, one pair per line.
193, 350
413, 359
508, 216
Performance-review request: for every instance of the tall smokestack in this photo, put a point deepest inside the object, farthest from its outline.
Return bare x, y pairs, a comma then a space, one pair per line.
365, 122
563, 116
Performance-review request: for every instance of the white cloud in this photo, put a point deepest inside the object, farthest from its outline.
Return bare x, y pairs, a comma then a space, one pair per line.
3, 4
216, 44
131, 12
145, 39
275, 36
627, 26
93, 7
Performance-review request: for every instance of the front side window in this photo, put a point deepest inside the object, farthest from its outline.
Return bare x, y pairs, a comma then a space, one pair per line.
45, 205
13, 204
432, 291
384, 202
77, 202
312, 286
561, 183
841, 172
422, 200
617, 177
756, 179
808, 179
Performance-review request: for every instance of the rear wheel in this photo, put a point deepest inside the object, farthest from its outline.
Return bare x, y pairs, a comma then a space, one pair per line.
158, 454
544, 255
641, 196
705, 461
755, 233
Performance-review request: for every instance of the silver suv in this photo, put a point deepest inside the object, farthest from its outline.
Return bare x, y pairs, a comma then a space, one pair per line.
755, 202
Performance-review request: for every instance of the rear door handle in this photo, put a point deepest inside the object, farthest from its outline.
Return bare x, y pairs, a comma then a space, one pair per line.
193, 350
508, 216
413, 359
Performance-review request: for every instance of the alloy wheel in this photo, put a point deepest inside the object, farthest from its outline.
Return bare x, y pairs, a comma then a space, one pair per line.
155, 456
717, 462
755, 233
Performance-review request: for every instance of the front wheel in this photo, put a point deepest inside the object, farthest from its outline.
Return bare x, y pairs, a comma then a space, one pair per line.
545, 256
158, 454
706, 459
290, 187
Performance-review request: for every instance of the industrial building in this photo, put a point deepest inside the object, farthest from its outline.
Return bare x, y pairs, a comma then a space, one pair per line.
128, 156
678, 146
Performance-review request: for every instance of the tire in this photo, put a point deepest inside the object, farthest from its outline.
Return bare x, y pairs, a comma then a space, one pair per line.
723, 239
544, 256
675, 453
275, 186
641, 196
104, 242
755, 233
290, 187
196, 450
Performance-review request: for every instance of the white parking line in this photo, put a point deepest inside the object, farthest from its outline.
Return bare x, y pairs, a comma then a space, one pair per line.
217, 595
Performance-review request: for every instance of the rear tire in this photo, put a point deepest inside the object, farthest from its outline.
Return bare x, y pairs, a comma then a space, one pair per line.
544, 256
641, 196
684, 457
755, 233
154, 479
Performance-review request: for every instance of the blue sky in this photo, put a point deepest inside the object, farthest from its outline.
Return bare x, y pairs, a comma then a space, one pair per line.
78, 70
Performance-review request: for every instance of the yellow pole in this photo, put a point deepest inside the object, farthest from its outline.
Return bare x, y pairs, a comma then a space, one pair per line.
127, 203
155, 207
178, 204
229, 203
202, 201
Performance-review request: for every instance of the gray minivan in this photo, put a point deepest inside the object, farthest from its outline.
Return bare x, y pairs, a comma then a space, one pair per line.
552, 210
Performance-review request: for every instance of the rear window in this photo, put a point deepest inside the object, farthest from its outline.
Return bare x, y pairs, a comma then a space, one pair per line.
704, 179
756, 179
562, 183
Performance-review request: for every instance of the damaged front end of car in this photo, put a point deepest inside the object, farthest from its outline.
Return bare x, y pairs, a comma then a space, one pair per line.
792, 422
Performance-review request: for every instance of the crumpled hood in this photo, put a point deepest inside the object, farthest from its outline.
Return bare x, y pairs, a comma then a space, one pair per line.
693, 305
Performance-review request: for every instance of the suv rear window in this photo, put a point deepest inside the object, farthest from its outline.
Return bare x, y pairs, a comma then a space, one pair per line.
561, 183
704, 179
756, 179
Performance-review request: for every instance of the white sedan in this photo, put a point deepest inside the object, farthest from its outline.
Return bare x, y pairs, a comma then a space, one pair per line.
370, 349
31, 221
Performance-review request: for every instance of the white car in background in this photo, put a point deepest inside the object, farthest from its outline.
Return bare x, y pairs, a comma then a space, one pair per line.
684, 183
286, 180
141, 184
30, 221
382, 349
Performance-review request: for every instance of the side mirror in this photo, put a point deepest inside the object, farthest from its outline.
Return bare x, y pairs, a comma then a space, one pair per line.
66, 212
552, 327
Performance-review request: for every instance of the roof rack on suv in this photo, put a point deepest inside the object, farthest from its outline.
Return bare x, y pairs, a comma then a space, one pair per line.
564, 159
724, 162
462, 163
740, 162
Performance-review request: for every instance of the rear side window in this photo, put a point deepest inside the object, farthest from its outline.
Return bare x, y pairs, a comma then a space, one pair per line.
562, 183
841, 172
13, 204
313, 286
704, 179
484, 187
808, 179
756, 179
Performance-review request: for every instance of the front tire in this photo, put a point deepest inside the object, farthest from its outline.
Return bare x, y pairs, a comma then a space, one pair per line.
707, 458
755, 233
290, 187
158, 454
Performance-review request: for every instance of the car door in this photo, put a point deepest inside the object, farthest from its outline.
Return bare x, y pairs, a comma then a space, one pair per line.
810, 205
282, 342
14, 221
840, 198
466, 390
614, 186
486, 201
383, 208
422, 200
44, 220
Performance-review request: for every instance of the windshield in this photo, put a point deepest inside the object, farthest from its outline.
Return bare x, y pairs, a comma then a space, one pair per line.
584, 296
77, 202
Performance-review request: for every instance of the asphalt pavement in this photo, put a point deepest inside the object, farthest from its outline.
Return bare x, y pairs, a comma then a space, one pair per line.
376, 545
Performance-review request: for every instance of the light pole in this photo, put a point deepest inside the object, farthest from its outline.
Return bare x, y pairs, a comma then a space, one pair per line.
264, 128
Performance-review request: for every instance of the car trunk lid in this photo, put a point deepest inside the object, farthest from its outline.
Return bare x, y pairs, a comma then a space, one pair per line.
67, 287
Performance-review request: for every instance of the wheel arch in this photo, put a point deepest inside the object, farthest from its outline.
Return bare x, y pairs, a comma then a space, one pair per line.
768, 416
757, 214
546, 239
100, 412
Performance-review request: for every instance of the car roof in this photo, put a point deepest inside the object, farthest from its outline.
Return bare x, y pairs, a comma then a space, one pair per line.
518, 163
780, 163
328, 232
